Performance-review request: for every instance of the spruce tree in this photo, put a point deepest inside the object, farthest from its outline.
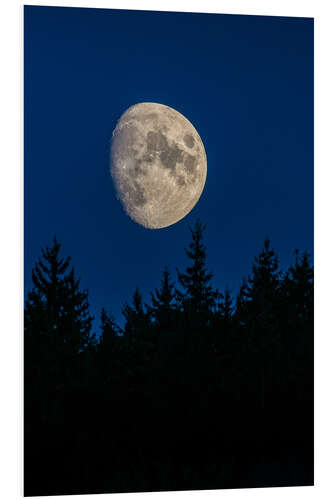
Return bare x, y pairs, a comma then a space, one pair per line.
109, 328
137, 321
226, 306
262, 321
56, 310
109, 346
57, 328
297, 308
162, 309
264, 280
222, 322
298, 286
198, 295
241, 304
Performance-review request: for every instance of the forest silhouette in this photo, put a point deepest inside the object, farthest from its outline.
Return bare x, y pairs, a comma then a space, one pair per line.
198, 390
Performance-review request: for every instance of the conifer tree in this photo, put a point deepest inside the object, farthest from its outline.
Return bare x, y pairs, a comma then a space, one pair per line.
108, 349
57, 328
56, 310
298, 285
222, 323
110, 331
241, 303
137, 321
297, 309
263, 284
163, 307
226, 306
263, 335
198, 295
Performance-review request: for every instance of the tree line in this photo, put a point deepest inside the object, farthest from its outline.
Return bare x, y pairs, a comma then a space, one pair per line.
198, 390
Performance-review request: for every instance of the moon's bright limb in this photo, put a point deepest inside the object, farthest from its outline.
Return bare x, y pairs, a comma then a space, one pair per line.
158, 164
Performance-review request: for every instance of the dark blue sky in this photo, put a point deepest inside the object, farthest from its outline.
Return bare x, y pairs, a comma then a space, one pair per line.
246, 84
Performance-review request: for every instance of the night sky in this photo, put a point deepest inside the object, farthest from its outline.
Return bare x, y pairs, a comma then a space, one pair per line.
245, 83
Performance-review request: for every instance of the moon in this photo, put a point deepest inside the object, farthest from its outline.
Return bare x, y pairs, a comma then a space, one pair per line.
158, 164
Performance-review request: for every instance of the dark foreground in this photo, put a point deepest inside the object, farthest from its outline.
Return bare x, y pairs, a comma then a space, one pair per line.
197, 392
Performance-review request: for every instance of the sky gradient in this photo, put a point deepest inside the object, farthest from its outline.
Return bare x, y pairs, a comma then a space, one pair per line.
244, 82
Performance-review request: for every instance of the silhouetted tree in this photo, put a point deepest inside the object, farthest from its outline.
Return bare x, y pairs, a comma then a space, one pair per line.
262, 320
297, 317
241, 303
137, 320
109, 355
226, 306
198, 296
162, 309
298, 287
264, 281
222, 322
56, 310
56, 341
110, 331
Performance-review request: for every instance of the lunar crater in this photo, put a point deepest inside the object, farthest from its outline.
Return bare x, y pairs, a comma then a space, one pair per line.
189, 140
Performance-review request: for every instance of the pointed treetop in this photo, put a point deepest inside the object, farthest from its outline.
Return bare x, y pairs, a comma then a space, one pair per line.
162, 299
109, 329
265, 268
163, 296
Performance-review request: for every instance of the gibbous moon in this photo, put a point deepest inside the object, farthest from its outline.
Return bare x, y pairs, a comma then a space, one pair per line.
158, 164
